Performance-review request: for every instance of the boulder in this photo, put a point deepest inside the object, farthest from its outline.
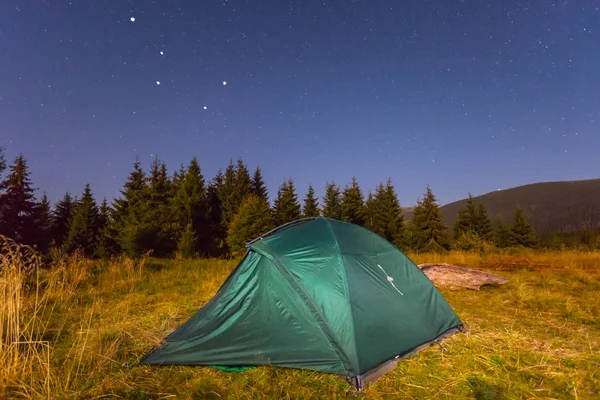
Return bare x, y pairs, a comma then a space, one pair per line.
453, 277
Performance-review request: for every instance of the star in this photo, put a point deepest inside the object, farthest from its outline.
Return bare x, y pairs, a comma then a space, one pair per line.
205, 107
224, 83
158, 82
162, 53
132, 19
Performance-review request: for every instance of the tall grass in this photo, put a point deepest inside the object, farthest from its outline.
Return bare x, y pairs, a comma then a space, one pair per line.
78, 329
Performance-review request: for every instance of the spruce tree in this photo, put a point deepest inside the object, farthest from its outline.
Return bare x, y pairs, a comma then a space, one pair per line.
106, 245
311, 205
2, 161
483, 223
502, 236
61, 219
83, 231
332, 202
427, 231
218, 231
473, 218
191, 204
17, 204
227, 195
286, 208
252, 220
521, 232
131, 214
258, 185
353, 207
467, 217
43, 220
160, 218
385, 215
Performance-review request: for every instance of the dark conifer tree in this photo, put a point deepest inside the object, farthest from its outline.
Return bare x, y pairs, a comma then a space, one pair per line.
427, 231
286, 208
61, 219
43, 218
159, 218
258, 185
473, 217
466, 218
83, 231
252, 220
385, 214
311, 204
215, 210
502, 236
17, 204
106, 245
353, 206
483, 223
332, 202
131, 211
2, 161
227, 194
192, 207
522, 233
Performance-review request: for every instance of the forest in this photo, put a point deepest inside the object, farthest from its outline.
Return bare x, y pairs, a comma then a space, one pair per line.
187, 215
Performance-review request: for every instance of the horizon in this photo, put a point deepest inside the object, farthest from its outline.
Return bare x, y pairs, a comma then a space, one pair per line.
272, 191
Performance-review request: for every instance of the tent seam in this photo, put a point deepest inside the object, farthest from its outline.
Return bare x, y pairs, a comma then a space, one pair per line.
347, 290
315, 312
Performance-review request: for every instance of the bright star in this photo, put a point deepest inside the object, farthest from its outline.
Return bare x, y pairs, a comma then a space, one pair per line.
132, 19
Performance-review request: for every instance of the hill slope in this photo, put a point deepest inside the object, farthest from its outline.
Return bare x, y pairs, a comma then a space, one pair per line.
549, 206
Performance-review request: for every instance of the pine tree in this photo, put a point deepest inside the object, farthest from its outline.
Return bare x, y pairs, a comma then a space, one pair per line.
332, 202
474, 218
427, 232
466, 220
252, 220
43, 220
83, 231
502, 236
17, 204
61, 219
131, 214
353, 207
286, 207
191, 204
258, 185
218, 232
385, 215
311, 204
227, 195
2, 161
483, 223
160, 218
521, 232
106, 245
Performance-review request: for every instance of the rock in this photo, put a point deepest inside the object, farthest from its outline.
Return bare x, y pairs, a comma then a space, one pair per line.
452, 277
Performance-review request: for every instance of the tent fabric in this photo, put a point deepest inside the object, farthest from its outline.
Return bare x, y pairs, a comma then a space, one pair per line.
319, 294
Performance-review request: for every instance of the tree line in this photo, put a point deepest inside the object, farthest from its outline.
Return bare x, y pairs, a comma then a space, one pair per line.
185, 214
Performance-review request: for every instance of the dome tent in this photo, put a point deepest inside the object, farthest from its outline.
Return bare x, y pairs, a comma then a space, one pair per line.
318, 294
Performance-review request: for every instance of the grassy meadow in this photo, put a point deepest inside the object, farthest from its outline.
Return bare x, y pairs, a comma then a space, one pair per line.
77, 331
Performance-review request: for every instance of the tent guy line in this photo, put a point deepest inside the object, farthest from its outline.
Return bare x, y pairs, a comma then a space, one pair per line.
390, 279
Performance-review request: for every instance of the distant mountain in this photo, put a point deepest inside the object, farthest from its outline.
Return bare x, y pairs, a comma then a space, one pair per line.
549, 206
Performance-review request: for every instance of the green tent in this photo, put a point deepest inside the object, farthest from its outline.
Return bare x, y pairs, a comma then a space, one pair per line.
318, 294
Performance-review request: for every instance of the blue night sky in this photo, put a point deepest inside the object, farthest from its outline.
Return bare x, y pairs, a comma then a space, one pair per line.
466, 96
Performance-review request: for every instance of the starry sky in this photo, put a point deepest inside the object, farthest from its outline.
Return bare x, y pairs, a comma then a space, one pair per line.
466, 96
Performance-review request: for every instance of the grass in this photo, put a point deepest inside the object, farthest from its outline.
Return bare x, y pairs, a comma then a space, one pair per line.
78, 330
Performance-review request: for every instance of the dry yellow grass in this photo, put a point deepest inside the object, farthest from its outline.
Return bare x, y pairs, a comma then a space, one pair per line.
536, 337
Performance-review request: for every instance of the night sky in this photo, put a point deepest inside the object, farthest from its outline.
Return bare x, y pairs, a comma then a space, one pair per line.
466, 96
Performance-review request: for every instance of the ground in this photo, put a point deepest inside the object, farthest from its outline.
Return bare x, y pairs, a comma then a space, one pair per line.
536, 337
